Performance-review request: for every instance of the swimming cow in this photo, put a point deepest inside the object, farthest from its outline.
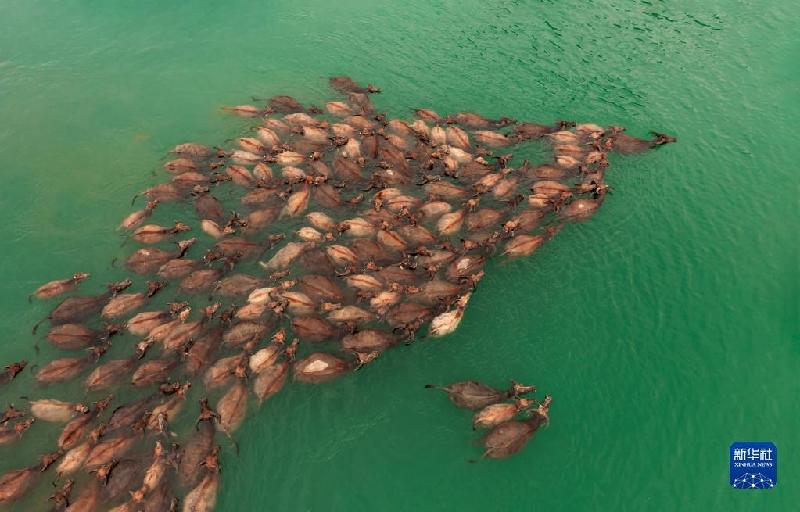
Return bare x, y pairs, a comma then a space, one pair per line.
472, 394
508, 438
58, 287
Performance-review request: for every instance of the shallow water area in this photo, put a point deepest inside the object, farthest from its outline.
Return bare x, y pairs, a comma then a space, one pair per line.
665, 327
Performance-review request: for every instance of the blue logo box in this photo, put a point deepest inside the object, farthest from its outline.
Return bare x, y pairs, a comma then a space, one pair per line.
754, 465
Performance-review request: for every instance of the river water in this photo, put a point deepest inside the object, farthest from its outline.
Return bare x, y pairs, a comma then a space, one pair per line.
666, 327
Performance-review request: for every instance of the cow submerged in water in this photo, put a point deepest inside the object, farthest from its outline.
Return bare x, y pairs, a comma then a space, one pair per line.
320, 241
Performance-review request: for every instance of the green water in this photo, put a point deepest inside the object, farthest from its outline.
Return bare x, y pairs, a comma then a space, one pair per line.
665, 328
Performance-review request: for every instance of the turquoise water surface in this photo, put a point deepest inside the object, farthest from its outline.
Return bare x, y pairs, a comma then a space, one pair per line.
666, 328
